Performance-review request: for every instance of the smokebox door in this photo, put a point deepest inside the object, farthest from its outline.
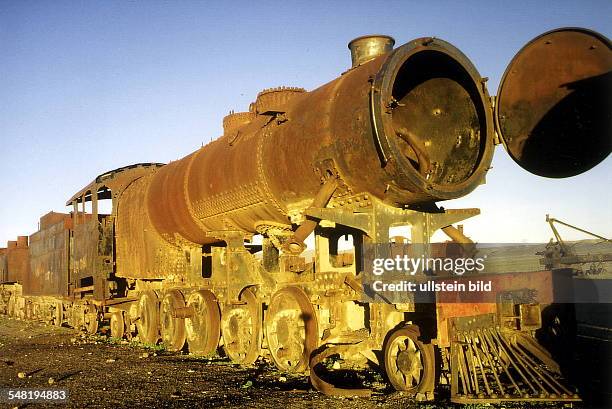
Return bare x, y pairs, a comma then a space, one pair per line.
553, 110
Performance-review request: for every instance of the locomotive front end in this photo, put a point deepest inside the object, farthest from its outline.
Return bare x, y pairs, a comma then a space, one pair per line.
431, 122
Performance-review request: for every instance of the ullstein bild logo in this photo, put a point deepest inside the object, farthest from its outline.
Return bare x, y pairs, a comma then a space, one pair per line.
430, 285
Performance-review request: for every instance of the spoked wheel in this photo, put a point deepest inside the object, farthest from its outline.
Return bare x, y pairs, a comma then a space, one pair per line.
58, 314
241, 326
3, 303
49, 313
11, 306
76, 316
131, 318
291, 329
90, 319
117, 325
28, 310
148, 318
172, 328
35, 313
20, 308
408, 362
204, 325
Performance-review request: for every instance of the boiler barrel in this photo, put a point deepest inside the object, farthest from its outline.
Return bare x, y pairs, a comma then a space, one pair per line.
409, 127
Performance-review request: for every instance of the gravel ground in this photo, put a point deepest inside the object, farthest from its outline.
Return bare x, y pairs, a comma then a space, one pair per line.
100, 373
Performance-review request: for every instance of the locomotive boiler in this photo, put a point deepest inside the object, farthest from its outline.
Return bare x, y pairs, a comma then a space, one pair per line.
209, 251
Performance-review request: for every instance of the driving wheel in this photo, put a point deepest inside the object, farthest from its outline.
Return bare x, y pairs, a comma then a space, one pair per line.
241, 328
291, 329
117, 325
172, 327
148, 318
204, 325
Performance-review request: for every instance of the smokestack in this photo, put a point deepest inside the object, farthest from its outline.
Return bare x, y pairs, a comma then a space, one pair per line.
366, 48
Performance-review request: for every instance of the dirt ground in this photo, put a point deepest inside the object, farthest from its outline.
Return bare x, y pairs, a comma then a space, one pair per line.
101, 373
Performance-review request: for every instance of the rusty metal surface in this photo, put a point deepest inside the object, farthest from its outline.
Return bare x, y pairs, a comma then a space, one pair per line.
366, 48
271, 101
546, 286
113, 181
92, 251
93, 245
272, 169
553, 104
435, 82
325, 387
84, 253
17, 259
3, 266
140, 251
494, 364
49, 255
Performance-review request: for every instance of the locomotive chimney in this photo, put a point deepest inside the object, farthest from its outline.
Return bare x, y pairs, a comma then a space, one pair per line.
366, 48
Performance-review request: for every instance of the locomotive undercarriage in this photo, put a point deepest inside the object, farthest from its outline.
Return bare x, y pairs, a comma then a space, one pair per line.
258, 301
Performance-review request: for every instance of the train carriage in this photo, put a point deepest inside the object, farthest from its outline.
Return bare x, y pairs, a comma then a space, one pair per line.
3, 266
17, 259
49, 257
14, 266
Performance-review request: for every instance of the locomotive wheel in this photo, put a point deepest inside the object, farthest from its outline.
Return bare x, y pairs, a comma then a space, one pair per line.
408, 362
204, 326
241, 327
11, 306
76, 317
90, 319
49, 310
291, 329
131, 321
148, 322
58, 315
43, 312
35, 313
20, 308
117, 324
172, 329
27, 310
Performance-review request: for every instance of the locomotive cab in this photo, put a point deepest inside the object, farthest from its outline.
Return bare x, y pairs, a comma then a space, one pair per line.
92, 241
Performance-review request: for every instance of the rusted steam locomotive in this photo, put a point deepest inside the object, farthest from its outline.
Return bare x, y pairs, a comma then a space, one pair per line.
378, 147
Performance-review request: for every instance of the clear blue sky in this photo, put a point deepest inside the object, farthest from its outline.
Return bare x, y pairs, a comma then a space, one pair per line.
86, 87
